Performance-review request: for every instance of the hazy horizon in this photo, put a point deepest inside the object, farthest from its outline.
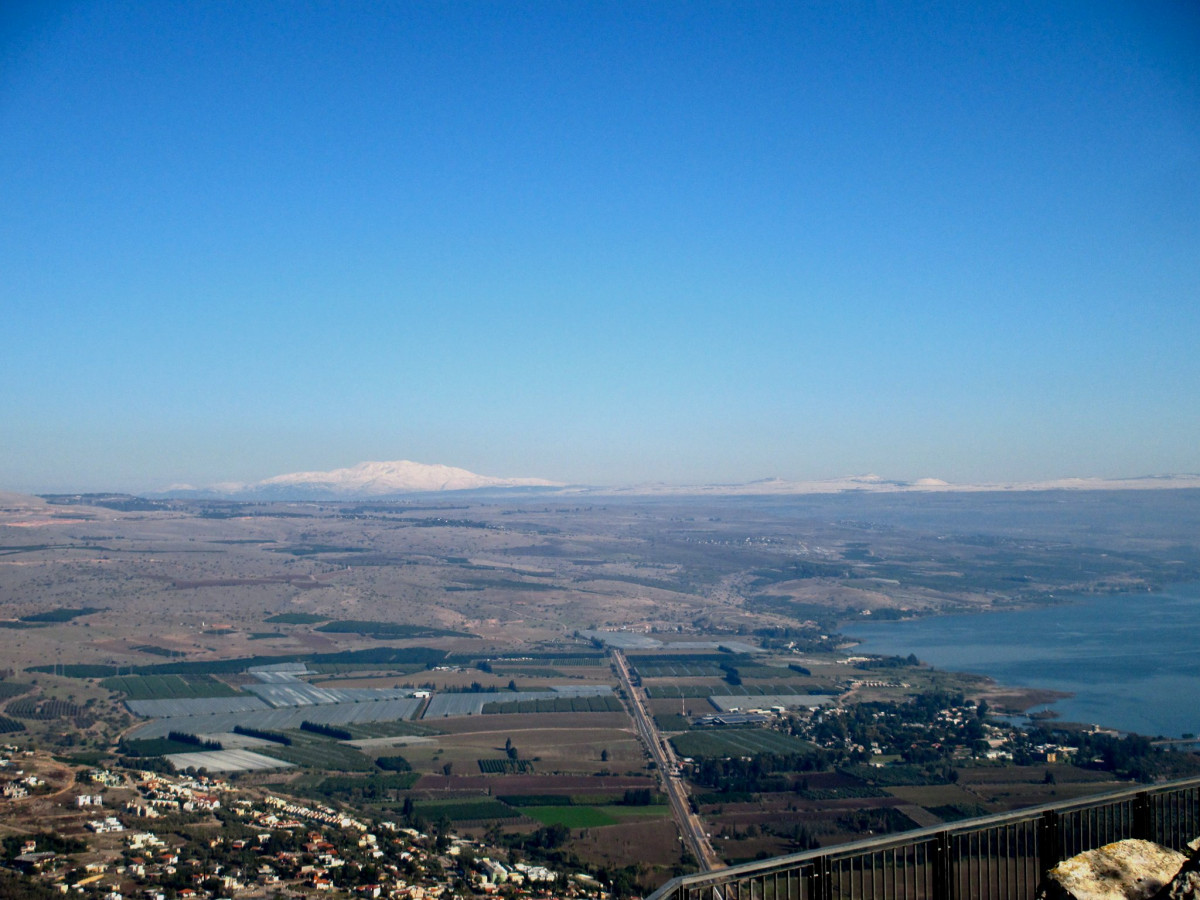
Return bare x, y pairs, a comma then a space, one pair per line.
599, 243
853, 482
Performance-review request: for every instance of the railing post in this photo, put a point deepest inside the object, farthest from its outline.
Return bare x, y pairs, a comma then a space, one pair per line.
1049, 847
942, 882
1143, 817
820, 880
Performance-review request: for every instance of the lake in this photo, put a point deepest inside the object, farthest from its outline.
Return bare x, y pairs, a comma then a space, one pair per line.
1132, 661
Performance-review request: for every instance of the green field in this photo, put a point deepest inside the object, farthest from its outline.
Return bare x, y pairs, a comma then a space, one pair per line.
571, 816
535, 799
316, 752
296, 619
737, 742
168, 687
157, 747
364, 730
375, 788
464, 810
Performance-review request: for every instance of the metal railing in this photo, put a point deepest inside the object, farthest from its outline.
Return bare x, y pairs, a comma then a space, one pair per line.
1001, 857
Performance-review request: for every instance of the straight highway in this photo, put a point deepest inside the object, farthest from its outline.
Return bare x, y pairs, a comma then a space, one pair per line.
690, 826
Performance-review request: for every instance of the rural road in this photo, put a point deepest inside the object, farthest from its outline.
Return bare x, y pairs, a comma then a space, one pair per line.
690, 826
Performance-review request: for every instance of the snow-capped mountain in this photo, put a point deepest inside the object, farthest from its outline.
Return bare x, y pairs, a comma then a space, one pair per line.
370, 479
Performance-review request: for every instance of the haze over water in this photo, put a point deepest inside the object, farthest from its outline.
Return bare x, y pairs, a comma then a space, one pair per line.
1130, 659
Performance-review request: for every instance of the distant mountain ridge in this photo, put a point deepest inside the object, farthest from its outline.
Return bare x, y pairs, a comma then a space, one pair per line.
403, 477
866, 484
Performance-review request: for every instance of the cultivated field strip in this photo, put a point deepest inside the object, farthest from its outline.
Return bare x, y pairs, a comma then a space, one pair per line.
673, 691
266, 673
737, 742
168, 687
580, 690
193, 706
227, 761
450, 705
282, 719
680, 670
738, 647
299, 693
277, 677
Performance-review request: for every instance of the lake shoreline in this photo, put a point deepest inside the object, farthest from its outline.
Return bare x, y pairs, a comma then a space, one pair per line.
1122, 661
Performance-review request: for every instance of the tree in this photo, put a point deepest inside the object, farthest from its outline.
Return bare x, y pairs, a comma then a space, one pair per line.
603, 756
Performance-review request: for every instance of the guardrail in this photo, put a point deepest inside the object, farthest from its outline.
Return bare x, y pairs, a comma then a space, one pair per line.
1001, 857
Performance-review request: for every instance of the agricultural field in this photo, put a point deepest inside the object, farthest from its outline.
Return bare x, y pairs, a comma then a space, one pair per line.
372, 730
571, 816
320, 753
34, 708
737, 742
648, 844
554, 743
465, 810
227, 761
295, 619
660, 669
724, 689
554, 705
504, 766
10, 689
555, 662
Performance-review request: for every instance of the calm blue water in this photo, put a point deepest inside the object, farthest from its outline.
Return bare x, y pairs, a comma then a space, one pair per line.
1132, 661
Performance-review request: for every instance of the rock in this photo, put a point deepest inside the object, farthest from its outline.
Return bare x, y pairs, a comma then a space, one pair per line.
1186, 883
1125, 870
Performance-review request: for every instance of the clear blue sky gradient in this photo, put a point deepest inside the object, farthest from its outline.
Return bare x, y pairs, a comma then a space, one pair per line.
598, 242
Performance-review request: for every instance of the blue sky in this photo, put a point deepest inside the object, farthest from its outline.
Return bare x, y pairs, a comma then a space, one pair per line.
598, 242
